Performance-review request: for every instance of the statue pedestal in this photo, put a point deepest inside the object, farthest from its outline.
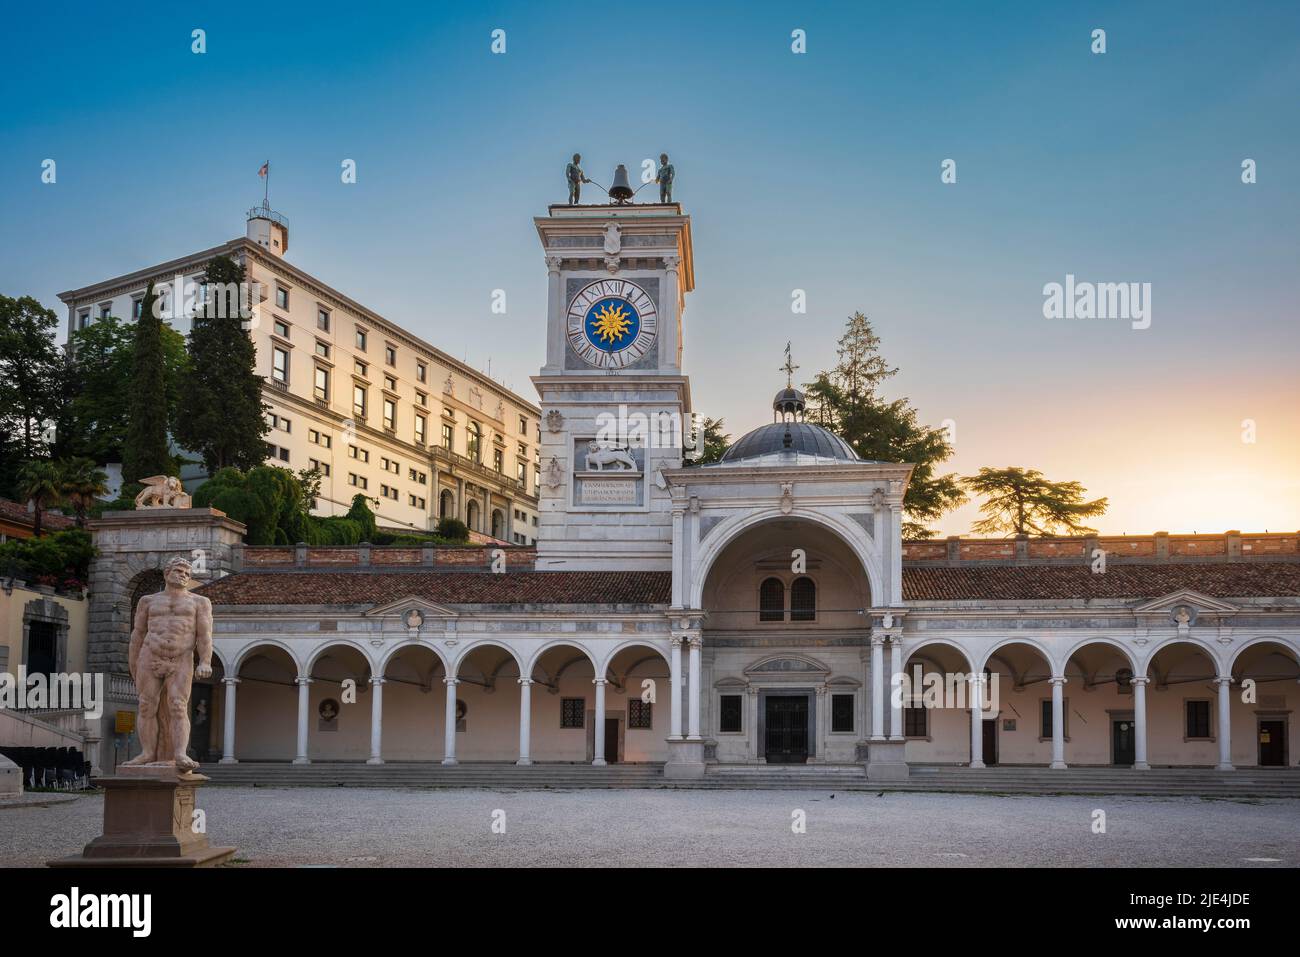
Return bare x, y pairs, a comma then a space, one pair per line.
685, 760
148, 822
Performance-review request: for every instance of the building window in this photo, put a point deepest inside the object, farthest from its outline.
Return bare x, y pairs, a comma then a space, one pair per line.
1045, 721
537, 484
841, 712
282, 329
416, 501
498, 460
390, 383
1198, 719
771, 600
323, 319
390, 355
388, 491
639, 717
573, 712
322, 349
803, 600
83, 318
730, 711
421, 478
359, 401
358, 480
390, 414
421, 371
281, 297
105, 310
446, 436
322, 467
915, 722
474, 441
360, 454
322, 389
280, 365
522, 471
422, 398
523, 425
360, 368
361, 339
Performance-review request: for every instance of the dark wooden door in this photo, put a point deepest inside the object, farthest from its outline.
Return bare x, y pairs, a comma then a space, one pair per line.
1272, 744
1122, 742
611, 740
786, 729
990, 743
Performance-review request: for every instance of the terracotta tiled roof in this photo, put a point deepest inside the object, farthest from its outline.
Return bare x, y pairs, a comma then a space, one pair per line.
449, 588
17, 512
1247, 579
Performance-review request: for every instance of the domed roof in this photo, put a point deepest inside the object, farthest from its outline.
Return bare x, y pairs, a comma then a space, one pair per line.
804, 437
789, 401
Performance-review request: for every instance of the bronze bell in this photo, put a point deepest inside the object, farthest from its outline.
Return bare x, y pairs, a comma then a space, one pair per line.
620, 191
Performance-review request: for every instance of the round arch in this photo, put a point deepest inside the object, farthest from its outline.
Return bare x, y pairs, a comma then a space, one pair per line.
1028, 642
632, 643
245, 652
1264, 640
453, 669
1196, 643
382, 665
849, 532
910, 652
1118, 646
559, 643
338, 643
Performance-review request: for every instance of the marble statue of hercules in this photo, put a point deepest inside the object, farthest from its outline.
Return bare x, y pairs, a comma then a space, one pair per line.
172, 628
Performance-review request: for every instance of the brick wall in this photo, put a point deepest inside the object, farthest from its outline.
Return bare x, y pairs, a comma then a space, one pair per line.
1159, 546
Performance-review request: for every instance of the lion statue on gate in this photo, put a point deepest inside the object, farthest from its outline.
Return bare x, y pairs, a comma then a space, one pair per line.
162, 491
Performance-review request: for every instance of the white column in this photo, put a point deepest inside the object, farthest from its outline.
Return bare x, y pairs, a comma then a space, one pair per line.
600, 721
555, 320
976, 721
671, 320
675, 686
877, 688
1225, 723
1058, 721
693, 710
376, 721
449, 745
228, 736
525, 719
1140, 724
895, 706
303, 707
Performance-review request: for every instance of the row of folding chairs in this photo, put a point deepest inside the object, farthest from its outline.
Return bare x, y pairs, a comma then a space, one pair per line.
65, 769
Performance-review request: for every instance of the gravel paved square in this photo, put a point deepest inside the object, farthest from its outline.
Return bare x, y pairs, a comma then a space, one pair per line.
636, 828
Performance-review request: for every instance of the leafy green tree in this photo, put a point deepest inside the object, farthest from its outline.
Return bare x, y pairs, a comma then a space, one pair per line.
54, 557
273, 503
452, 530
103, 359
713, 442
146, 450
1024, 502
222, 416
40, 482
847, 400
30, 372
82, 484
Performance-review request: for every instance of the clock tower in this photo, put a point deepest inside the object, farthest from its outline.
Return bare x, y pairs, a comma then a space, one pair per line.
615, 405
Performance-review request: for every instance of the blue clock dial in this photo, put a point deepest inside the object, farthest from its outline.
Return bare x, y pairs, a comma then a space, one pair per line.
611, 323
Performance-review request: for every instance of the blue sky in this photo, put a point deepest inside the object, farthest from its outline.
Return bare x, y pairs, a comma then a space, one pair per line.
817, 171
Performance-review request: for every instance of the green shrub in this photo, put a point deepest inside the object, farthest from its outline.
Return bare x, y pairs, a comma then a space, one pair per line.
52, 558
453, 530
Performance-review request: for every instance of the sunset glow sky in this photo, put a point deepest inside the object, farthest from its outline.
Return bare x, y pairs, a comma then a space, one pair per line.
818, 172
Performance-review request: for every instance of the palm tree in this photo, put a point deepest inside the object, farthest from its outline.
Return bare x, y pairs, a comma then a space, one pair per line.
83, 483
40, 482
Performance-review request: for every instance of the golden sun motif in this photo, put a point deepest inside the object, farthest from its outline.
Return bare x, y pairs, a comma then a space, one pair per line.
611, 323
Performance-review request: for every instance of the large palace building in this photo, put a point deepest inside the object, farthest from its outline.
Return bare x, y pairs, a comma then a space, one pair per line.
376, 409
763, 608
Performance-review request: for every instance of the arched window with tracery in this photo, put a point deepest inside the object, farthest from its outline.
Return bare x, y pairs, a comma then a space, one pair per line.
803, 600
771, 600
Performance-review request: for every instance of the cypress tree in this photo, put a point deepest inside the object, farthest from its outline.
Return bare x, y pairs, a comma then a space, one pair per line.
146, 451
222, 417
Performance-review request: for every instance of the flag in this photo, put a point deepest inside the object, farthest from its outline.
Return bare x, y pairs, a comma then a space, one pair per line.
265, 170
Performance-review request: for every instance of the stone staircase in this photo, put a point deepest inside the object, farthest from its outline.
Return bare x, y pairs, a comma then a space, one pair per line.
1164, 782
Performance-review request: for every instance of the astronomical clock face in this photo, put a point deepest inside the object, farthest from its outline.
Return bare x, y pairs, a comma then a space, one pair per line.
611, 323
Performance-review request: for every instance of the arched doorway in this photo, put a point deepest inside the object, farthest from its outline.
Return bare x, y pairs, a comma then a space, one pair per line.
1266, 676
412, 711
471, 516
1101, 724
266, 706
446, 504
1182, 704
562, 713
486, 711
498, 524
1020, 730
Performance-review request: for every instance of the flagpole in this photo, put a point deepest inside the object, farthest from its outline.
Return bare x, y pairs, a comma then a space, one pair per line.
266, 187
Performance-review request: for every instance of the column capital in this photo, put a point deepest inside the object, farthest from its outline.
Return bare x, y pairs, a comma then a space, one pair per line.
378, 680
451, 682
676, 640
525, 681
300, 680
695, 640
1223, 680
600, 681
1058, 680
554, 262
1139, 680
877, 640
230, 681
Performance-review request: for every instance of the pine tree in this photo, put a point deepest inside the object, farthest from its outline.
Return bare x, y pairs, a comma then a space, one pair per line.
146, 451
1024, 502
222, 417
